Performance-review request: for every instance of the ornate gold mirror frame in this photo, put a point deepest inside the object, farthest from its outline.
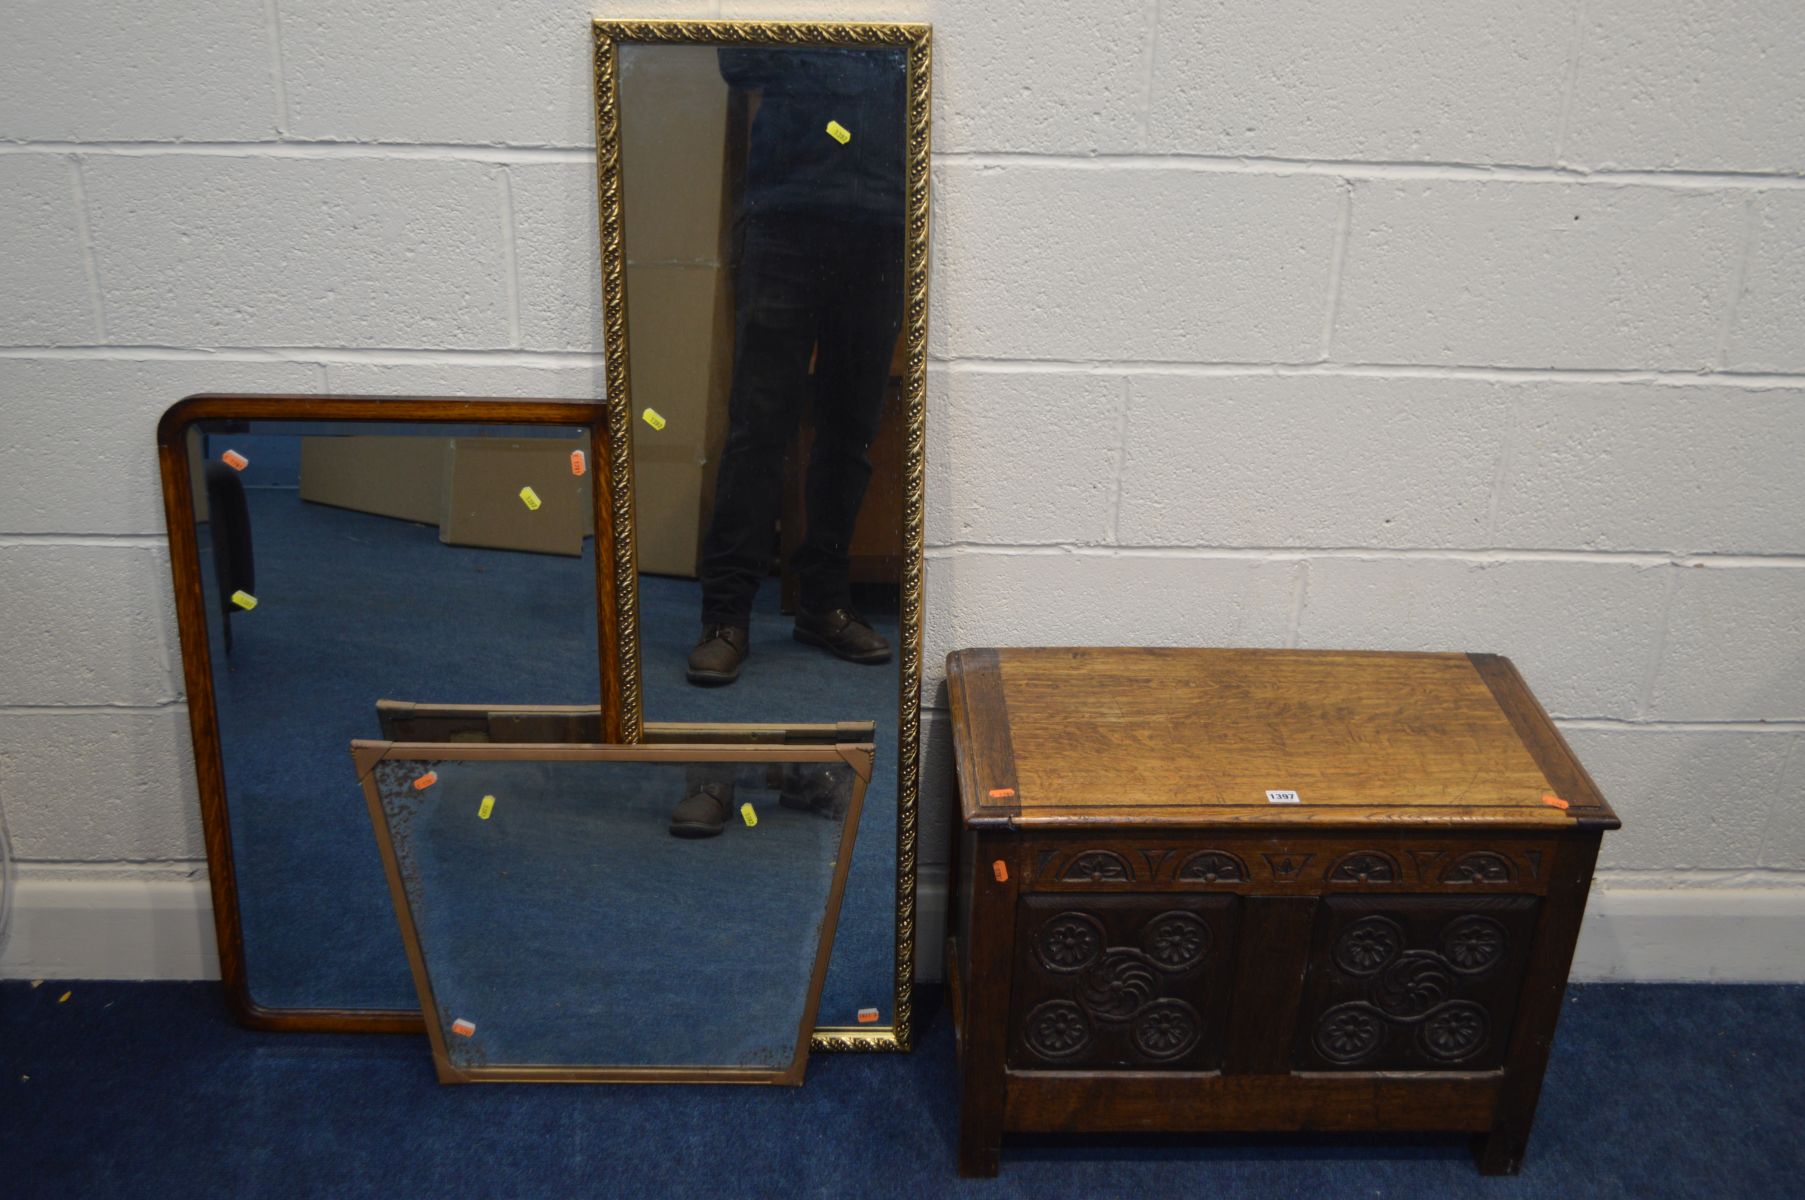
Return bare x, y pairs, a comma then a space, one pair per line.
914, 41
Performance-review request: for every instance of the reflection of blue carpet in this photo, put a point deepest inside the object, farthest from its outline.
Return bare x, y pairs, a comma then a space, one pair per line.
149, 1090
785, 681
570, 928
354, 608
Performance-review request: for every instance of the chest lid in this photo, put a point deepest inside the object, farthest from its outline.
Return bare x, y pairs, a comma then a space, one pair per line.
1208, 737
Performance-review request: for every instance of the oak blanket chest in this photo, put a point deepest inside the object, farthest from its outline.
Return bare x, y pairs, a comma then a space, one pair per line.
1260, 890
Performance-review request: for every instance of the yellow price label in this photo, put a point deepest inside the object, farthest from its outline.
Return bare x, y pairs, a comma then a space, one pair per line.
485, 808
650, 417
839, 132
530, 498
244, 600
748, 814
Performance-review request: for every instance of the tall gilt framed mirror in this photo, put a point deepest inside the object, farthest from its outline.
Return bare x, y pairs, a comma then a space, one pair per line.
763, 201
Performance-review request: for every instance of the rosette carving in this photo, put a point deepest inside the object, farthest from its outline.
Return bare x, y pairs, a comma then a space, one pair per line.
1474, 944
1349, 1033
1455, 1031
1057, 1029
1175, 941
1368, 944
1167, 1029
1070, 942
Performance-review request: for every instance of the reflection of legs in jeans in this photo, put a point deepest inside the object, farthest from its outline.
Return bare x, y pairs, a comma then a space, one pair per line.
778, 319
852, 370
805, 289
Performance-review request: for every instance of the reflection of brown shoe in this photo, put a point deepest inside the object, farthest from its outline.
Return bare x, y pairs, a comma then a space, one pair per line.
717, 657
702, 814
844, 634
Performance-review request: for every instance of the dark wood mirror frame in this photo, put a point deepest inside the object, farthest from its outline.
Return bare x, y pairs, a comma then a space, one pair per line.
191, 620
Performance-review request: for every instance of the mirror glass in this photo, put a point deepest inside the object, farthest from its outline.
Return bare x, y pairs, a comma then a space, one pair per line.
763, 194
555, 925
343, 562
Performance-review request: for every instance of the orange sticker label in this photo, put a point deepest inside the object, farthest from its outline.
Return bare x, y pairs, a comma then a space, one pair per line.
1001, 793
867, 1016
463, 1028
235, 460
1000, 869
1553, 801
425, 781
577, 463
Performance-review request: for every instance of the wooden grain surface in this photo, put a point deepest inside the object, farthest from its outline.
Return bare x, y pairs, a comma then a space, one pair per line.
1080, 736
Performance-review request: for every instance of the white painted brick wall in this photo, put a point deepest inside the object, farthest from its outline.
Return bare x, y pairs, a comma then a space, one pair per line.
1689, 84
1453, 326
1583, 633
1259, 460
1634, 466
1735, 646
134, 768
1418, 80
86, 623
211, 250
1020, 458
1030, 263
102, 71
1537, 274
1708, 795
1770, 313
557, 245
46, 298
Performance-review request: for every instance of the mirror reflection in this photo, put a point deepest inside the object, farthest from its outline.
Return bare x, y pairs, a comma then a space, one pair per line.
347, 561
556, 930
763, 198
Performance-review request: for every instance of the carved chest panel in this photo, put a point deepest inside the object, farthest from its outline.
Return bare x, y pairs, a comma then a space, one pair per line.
1413, 983
1122, 981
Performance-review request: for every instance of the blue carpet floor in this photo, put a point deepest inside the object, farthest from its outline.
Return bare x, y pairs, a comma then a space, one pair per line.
150, 1090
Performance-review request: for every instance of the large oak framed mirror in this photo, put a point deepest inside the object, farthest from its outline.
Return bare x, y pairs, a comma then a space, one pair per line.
332, 553
763, 199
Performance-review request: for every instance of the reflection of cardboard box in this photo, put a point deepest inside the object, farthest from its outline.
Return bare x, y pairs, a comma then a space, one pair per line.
483, 506
668, 533
680, 360
673, 147
468, 487
675, 114
390, 476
